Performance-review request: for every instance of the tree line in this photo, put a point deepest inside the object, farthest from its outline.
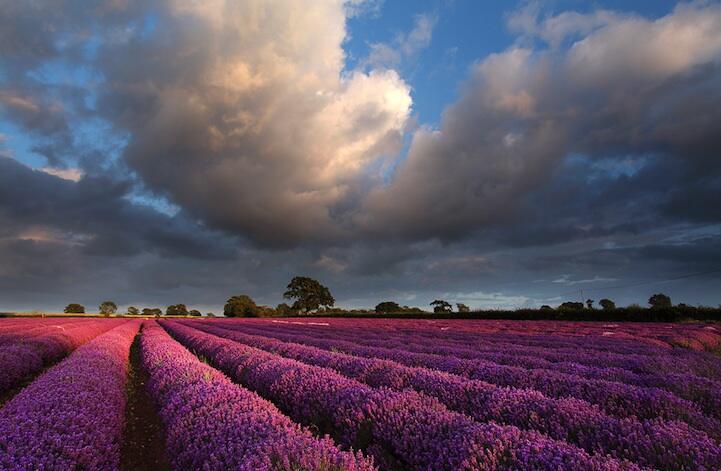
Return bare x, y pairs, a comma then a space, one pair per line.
308, 296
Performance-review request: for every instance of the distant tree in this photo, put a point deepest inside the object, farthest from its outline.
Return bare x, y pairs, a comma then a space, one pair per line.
209, 314
176, 310
589, 303
416, 310
266, 311
133, 311
240, 306
74, 308
546, 307
440, 305
195, 313
152, 312
308, 293
570, 306
607, 304
108, 307
659, 300
463, 308
283, 310
388, 306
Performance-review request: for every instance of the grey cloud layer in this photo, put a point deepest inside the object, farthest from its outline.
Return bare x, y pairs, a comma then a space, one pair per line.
590, 132
246, 119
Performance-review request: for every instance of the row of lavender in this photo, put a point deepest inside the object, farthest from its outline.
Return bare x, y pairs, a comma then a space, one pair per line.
402, 415
700, 336
618, 399
613, 352
29, 346
400, 429
212, 423
72, 416
664, 445
693, 387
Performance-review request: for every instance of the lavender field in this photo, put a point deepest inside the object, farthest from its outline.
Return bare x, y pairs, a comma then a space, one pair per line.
358, 394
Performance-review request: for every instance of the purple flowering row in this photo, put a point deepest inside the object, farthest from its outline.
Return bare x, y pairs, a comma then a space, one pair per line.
646, 339
615, 398
402, 430
638, 358
72, 416
213, 424
26, 356
642, 359
632, 335
702, 391
657, 444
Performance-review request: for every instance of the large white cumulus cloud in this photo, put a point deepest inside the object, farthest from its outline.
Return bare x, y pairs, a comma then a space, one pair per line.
243, 114
603, 85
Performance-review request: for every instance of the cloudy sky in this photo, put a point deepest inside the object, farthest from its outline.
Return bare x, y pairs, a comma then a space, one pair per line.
498, 154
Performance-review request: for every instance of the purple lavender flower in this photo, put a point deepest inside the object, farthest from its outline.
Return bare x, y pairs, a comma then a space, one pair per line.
72, 416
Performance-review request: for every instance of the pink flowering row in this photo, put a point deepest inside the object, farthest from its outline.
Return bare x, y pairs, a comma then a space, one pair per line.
615, 398
33, 327
213, 424
72, 416
401, 429
649, 443
27, 355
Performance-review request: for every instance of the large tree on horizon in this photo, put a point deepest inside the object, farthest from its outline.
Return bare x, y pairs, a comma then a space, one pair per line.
309, 294
108, 307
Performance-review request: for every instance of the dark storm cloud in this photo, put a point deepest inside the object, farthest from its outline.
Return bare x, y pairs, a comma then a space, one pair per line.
575, 151
95, 214
256, 133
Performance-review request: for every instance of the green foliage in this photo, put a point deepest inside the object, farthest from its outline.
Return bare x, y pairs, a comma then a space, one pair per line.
176, 310
462, 308
74, 308
194, 313
152, 312
240, 306
659, 300
308, 293
607, 304
387, 306
284, 310
440, 305
570, 306
133, 311
108, 307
